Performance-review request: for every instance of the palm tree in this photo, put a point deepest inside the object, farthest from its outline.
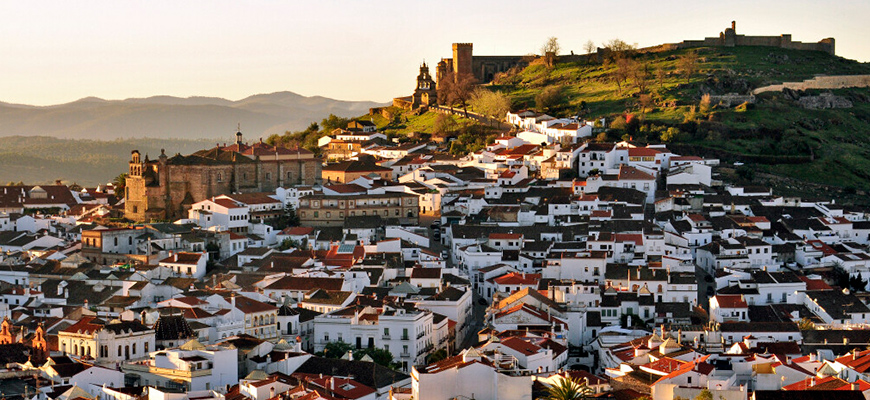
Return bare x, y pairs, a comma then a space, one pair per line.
568, 389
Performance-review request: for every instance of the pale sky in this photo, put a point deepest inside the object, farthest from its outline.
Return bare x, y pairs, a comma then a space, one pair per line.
54, 52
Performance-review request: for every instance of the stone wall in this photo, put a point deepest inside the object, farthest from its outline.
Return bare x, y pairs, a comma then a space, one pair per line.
820, 82
179, 186
730, 38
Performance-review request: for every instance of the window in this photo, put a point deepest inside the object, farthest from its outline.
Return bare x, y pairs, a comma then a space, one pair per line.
268, 176
219, 177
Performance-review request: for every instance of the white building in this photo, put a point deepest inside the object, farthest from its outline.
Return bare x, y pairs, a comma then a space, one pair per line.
107, 343
192, 366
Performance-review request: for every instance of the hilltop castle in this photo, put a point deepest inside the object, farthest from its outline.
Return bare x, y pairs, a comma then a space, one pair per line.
484, 68
730, 38
166, 188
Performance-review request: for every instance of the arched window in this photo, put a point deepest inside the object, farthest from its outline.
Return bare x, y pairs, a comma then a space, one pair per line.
219, 177
76, 349
119, 350
134, 348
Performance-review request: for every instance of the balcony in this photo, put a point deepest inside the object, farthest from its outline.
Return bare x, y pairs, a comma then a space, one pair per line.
420, 335
406, 337
385, 337
405, 355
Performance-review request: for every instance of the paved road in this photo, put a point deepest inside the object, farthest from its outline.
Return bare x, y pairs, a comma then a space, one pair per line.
478, 311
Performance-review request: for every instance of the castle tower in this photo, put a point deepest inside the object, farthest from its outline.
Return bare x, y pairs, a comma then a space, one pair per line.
462, 54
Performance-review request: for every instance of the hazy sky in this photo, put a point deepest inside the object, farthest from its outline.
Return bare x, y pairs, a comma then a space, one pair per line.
58, 51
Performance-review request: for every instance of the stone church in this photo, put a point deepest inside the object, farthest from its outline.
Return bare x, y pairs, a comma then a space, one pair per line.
165, 188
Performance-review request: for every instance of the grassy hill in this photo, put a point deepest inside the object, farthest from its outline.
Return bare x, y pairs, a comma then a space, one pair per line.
775, 135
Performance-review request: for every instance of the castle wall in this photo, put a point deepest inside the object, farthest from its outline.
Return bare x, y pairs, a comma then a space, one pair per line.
783, 41
486, 67
820, 82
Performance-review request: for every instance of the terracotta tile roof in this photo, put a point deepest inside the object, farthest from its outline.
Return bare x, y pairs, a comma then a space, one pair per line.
249, 306
516, 278
521, 346
631, 173
227, 203
642, 152
298, 230
731, 301
84, 326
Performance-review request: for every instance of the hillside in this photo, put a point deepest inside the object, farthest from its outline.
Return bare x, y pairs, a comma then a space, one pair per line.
775, 135
87, 162
173, 117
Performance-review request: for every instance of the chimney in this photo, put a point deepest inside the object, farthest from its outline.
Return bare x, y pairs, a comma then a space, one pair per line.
854, 351
272, 389
142, 317
331, 383
813, 381
175, 257
65, 293
86, 303
233, 300
856, 386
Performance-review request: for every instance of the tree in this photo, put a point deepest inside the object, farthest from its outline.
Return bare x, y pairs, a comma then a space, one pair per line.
491, 104
589, 47
705, 105
806, 325
443, 125
436, 356
704, 395
745, 173
671, 135
568, 389
455, 89
687, 64
336, 349
550, 50
378, 355
288, 219
548, 98
120, 183
618, 48
645, 101
660, 77
331, 123
640, 75
623, 71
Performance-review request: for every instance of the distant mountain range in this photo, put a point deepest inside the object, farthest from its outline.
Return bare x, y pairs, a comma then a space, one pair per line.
174, 117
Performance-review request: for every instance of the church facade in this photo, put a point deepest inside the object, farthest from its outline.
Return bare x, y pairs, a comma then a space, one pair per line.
165, 188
